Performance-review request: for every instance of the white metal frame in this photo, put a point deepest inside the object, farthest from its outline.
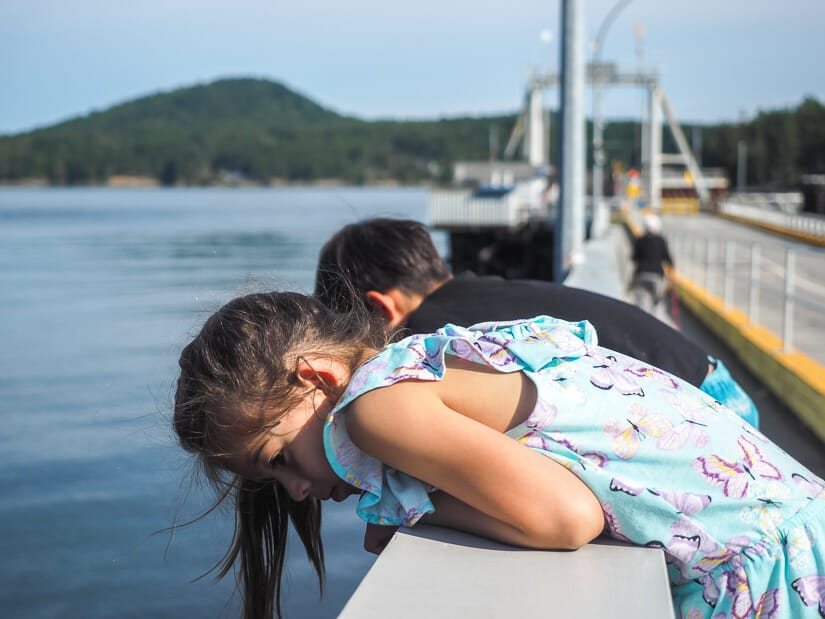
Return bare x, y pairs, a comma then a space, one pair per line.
717, 265
530, 126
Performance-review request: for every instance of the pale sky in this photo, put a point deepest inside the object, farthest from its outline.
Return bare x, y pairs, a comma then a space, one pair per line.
717, 59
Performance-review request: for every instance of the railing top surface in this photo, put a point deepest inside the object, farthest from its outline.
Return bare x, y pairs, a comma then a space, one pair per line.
435, 572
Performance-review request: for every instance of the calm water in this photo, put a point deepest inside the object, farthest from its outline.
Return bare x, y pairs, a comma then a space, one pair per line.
99, 291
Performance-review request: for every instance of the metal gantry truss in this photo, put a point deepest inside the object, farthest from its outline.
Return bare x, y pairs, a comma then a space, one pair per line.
530, 126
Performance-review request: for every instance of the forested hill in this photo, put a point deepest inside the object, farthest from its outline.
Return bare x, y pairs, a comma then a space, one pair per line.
253, 129
261, 131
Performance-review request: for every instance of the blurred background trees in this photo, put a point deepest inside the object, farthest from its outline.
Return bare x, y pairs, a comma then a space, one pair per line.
259, 131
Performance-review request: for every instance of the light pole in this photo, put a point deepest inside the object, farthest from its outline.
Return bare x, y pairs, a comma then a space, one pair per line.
598, 125
741, 165
546, 37
569, 227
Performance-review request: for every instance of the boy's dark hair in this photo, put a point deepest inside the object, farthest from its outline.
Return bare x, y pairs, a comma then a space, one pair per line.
377, 254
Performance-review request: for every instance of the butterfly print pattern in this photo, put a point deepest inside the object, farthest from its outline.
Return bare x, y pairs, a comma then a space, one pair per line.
800, 541
422, 366
691, 430
612, 524
742, 607
560, 381
736, 476
813, 488
767, 607
607, 374
617, 485
465, 350
766, 514
637, 426
811, 589
566, 342
655, 374
361, 378
586, 458
542, 416
686, 503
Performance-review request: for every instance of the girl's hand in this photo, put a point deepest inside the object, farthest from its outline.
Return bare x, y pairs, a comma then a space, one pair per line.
377, 537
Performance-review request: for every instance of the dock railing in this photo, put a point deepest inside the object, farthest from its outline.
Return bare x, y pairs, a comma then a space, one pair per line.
751, 276
805, 226
466, 209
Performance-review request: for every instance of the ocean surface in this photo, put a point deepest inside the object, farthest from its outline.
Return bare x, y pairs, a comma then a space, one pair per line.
99, 291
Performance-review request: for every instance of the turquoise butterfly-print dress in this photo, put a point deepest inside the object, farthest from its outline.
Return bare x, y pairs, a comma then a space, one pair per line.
741, 523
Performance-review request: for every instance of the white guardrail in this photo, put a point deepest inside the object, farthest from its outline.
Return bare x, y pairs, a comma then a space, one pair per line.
464, 209
777, 285
804, 223
459, 208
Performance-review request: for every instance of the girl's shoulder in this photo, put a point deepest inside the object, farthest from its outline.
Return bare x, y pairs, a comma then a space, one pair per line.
503, 346
418, 357
369, 411
477, 391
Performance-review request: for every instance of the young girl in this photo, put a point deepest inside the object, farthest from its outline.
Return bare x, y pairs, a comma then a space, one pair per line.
527, 432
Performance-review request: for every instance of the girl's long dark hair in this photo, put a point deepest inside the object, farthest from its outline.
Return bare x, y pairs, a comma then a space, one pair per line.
237, 376
259, 543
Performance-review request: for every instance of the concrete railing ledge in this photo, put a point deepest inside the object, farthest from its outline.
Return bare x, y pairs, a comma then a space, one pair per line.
434, 572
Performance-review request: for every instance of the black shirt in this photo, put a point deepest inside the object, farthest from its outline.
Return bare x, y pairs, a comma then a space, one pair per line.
468, 299
649, 252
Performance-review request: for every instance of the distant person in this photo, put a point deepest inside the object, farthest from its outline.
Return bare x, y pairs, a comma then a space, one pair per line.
395, 266
653, 261
526, 432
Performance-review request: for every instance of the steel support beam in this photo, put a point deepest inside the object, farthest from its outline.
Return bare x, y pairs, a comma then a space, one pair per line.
569, 227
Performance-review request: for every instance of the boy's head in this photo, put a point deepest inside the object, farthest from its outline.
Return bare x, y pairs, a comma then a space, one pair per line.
391, 264
653, 224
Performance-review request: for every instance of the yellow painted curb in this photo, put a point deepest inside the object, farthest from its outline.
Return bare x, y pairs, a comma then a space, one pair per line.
799, 236
794, 378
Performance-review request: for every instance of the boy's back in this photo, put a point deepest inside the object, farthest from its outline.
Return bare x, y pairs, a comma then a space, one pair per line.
468, 299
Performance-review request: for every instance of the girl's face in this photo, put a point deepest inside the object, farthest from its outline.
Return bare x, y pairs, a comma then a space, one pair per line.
292, 453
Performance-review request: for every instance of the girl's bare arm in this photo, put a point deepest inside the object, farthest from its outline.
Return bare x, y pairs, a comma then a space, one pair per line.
504, 490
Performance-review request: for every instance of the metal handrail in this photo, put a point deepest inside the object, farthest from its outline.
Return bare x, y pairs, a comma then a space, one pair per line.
804, 223
705, 269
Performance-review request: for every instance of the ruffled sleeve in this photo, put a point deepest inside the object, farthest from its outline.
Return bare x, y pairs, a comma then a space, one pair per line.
389, 497
526, 344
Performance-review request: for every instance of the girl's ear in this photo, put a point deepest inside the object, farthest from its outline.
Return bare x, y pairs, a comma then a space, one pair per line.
325, 374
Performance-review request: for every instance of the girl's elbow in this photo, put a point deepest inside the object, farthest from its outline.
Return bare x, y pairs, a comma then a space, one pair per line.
586, 524
578, 535
571, 537
569, 532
